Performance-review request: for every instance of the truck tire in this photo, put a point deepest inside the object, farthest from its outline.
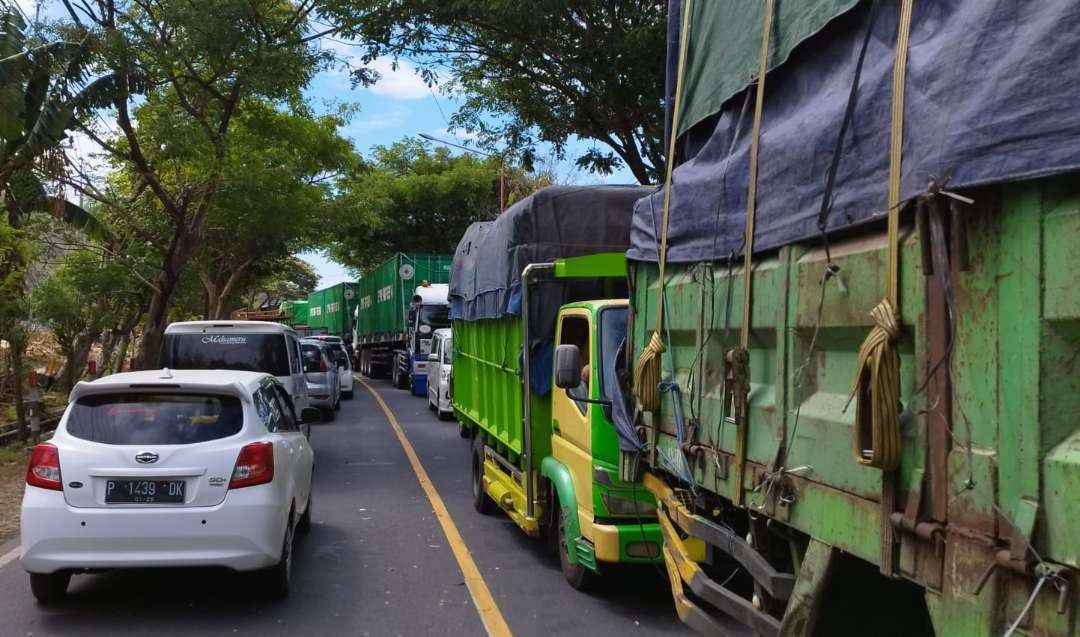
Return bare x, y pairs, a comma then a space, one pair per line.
481, 502
578, 576
401, 381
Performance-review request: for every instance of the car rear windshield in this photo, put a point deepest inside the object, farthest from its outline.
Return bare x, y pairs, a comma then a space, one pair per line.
155, 419
245, 352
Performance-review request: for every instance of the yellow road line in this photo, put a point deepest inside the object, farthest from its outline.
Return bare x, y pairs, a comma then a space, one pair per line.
490, 615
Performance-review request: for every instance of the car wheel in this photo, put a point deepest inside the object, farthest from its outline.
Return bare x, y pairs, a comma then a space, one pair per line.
347, 395
49, 588
481, 502
277, 578
327, 414
337, 405
303, 525
577, 575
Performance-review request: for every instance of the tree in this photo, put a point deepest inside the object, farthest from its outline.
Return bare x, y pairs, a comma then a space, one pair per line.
274, 199
82, 298
200, 60
535, 72
414, 199
289, 279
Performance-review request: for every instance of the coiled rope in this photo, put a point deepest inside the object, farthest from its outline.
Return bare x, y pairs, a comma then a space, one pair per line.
876, 435
647, 368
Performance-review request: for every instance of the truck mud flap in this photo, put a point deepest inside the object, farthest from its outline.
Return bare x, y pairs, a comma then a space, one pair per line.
734, 614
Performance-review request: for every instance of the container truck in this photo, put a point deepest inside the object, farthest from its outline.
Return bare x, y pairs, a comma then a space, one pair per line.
544, 447
331, 310
400, 304
855, 319
294, 312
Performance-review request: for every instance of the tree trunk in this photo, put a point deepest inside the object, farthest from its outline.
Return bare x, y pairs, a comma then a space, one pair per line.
117, 365
108, 344
157, 316
18, 346
76, 353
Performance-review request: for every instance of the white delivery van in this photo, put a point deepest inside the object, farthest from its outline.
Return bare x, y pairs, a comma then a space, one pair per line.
250, 346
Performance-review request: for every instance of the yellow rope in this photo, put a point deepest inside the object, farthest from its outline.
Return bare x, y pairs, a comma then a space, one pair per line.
877, 381
647, 369
742, 413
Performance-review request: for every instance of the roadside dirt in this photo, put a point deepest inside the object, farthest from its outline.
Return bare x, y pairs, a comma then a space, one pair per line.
12, 480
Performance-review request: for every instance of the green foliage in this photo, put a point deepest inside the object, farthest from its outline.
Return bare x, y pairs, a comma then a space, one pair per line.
84, 295
535, 71
413, 199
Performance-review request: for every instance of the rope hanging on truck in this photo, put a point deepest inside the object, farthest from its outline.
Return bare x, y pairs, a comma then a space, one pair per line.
739, 358
647, 369
877, 382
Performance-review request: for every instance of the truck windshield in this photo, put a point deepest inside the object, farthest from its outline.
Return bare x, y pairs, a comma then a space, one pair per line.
612, 336
436, 316
245, 352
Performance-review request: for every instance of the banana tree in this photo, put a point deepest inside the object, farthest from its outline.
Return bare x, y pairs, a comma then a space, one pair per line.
45, 89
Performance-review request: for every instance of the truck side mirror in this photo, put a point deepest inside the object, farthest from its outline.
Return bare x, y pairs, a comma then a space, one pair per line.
567, 366
433, 358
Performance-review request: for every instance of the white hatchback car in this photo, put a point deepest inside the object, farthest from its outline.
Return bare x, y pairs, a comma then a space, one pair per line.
439, 368
169, 468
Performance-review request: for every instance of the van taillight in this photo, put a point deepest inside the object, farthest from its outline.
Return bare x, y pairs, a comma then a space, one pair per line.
44, 469
254, 465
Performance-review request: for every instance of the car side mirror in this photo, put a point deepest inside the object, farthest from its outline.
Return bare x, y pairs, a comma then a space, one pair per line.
309, 415
567, 366
433, 358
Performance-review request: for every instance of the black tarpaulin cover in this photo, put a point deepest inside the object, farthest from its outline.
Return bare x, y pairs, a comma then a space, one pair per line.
552, 223
992, 95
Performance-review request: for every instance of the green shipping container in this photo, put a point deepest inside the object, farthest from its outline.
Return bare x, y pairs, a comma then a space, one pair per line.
294, 312
385, 292
332, 308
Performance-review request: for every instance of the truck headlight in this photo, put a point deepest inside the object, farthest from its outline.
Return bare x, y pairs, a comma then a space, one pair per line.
619, 504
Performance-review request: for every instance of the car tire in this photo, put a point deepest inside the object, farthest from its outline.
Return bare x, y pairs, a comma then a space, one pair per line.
348, 395
303, 525
337, 405
578, 576
277, 579
327, 414
481, 502
49, 588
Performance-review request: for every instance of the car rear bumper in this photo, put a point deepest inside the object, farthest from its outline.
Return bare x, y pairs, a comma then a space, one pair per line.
244, 533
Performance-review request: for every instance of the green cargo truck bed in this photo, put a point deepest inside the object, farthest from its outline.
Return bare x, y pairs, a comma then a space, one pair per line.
384, 294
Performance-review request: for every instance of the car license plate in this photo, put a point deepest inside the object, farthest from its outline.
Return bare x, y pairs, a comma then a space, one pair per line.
144, 492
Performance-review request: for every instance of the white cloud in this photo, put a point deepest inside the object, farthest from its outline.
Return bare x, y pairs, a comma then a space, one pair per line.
401, 83
378, 121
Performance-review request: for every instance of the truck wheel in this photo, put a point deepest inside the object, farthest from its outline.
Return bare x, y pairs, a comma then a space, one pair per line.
481, 502
462, 430
577, 575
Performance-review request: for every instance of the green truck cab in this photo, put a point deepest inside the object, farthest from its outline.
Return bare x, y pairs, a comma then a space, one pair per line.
543, 440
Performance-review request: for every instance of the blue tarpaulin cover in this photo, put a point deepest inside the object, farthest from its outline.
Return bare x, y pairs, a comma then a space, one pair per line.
992, 95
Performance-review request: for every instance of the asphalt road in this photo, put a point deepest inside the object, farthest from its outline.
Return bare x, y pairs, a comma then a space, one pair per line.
376, 562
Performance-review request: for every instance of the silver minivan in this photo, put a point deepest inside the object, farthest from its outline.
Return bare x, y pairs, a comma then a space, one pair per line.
321, 374
250, 346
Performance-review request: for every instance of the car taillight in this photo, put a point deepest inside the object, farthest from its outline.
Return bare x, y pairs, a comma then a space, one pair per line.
44, 469
254, 465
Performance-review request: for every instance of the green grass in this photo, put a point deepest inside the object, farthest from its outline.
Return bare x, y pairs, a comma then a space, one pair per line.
13, 453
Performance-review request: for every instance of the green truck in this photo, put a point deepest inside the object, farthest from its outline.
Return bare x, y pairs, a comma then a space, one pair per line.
544, 444
857, 385
332, 309
399, 304
294, 313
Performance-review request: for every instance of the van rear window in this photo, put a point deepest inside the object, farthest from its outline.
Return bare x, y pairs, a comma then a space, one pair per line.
244, 352
155, 419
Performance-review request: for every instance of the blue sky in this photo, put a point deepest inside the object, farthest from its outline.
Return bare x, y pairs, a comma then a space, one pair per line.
400, 105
